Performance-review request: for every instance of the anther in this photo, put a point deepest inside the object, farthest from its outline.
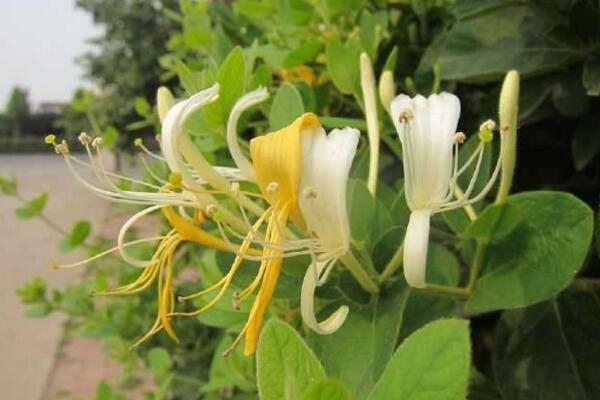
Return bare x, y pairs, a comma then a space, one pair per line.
62, 148
235, 188
97, 142
272, 187
309, 193
175, 179
405, 116
488, 125
84, 138
235, 301
50, 139
210, 210
459, 137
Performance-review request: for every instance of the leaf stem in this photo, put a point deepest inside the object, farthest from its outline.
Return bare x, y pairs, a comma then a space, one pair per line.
357, 270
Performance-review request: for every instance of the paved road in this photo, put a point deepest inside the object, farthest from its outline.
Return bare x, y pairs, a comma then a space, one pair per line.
28, 346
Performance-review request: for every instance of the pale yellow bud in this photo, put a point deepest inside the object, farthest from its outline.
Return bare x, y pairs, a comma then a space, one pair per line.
387, 89
508, 111
164, 102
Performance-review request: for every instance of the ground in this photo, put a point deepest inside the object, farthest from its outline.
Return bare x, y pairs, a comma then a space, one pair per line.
38, 361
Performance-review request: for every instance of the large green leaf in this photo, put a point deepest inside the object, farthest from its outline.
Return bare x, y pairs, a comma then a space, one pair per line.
326, 389
422, 307
431, 364
485, 43
540, 257
550, 351
285, 364
287, 106
358, 352
343, 66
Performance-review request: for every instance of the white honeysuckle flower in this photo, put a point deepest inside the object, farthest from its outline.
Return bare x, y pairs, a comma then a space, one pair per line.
427, 130
326, 165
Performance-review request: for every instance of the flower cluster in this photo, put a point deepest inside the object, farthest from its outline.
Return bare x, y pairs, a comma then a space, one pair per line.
298, 208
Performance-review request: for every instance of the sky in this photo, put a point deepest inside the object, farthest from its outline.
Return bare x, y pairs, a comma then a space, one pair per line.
39, 42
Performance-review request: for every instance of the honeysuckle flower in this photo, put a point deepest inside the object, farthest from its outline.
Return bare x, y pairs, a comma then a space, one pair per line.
187, 188
325, 169
289, 166
427, 130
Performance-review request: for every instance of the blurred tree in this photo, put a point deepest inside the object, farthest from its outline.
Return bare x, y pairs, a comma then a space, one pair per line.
17, 110
124, 59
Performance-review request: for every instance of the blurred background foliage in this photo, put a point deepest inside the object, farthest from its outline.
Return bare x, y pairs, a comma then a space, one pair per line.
306, 53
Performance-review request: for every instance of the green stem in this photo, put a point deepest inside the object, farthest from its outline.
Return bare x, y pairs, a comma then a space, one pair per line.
393, 265
357, 270
477, 264
44, 218
446, 290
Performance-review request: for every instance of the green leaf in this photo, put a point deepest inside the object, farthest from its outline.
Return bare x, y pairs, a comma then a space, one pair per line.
38, 310
326, 389
526, 37
496, 221
159, 361
339, 122
335, 7
190, 80
77, 236
142, 107
569, 97
110, 137
421, 308
540, 257
34, 291
285, 364
431, 364
8, 186
361, 210
357, 353
105, 392
372, 29
586, 141
343, 65
232, 81
550, 351
591, 77
287, 106
33, 207
234, 370
302, 54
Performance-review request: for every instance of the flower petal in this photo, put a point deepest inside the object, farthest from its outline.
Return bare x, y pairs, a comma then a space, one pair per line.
325, 167
416, 243
307, 297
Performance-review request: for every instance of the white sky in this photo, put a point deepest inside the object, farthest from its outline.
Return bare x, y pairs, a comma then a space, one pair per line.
39, 41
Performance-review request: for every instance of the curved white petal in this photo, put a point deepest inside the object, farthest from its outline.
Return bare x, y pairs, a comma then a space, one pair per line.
326, 162
173, 126
416, 243
245, 102
427, 142
310, 283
